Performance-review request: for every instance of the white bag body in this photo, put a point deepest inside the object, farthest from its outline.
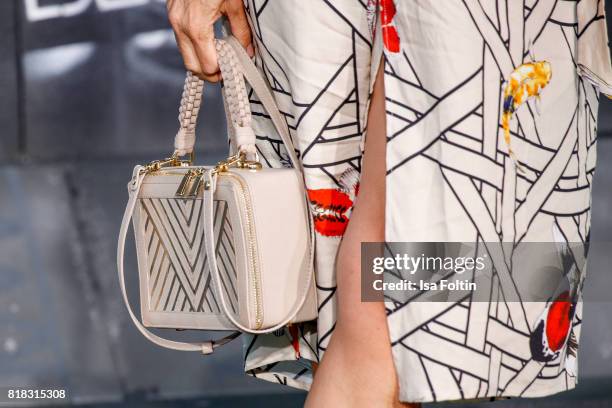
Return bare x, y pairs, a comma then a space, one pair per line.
225, 247
176, 287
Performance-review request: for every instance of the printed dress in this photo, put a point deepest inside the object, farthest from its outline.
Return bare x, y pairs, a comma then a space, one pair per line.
491, 137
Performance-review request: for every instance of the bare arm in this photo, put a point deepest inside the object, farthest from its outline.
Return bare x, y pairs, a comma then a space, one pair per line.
192, 22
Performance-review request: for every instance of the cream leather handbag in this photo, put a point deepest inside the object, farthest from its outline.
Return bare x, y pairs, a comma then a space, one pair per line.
224, 247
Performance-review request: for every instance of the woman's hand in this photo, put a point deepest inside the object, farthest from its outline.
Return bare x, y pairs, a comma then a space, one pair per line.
192, 22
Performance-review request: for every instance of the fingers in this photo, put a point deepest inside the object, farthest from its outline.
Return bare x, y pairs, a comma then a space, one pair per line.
192, 22
203, 40
193, 25
190, 59
176, 17
234, 9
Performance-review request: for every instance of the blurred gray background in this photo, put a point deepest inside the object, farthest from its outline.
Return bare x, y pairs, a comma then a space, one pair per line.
88, 88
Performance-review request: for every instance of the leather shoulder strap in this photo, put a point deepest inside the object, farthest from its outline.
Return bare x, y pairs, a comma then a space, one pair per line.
236, 66
260, 87
209, 243
206, 347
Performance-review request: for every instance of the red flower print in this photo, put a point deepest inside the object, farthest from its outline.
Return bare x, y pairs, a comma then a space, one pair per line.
330, 206
554, 330
558, 321
389, 32
295, 339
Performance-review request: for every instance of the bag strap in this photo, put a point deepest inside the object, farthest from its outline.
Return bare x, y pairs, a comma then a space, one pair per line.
234, 62
209, 243
247, 68
236, 101
235, 66
184, 141
205, 347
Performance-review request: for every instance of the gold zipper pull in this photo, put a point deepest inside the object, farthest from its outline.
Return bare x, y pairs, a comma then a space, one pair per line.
249, 164
185, 183
196, 183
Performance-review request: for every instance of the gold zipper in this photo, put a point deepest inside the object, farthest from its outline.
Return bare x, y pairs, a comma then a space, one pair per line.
190, 186
178, 171
255, 276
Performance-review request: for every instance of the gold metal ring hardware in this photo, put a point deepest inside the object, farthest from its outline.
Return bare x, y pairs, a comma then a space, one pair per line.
239, 161
174, 161
250, 165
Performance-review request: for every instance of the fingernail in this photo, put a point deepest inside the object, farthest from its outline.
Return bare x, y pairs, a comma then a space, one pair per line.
250, 50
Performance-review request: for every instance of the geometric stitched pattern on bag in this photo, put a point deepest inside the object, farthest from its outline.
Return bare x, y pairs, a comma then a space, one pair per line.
179, 278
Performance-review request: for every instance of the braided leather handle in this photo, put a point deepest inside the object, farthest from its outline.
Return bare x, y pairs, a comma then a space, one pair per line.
191, 99
236, 101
